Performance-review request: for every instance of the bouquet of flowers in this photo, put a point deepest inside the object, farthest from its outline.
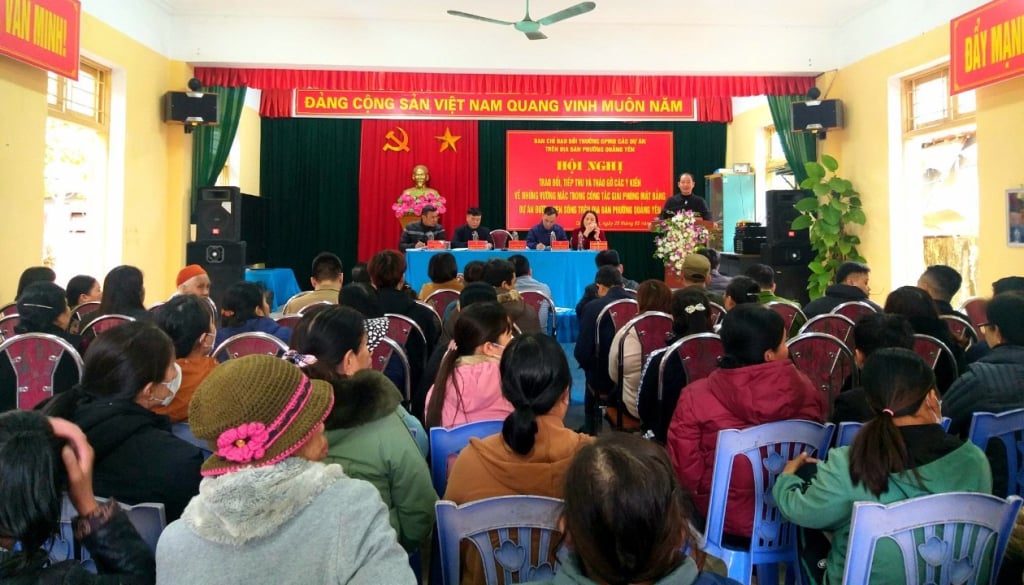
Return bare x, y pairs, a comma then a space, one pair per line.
678, 236
409, 204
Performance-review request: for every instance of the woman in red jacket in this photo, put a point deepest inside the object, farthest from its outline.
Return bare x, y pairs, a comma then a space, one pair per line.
756, 383
588, 231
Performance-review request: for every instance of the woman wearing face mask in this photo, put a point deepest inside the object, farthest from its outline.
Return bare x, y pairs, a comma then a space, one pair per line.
468, 383
899, 454
188, 320
129, 370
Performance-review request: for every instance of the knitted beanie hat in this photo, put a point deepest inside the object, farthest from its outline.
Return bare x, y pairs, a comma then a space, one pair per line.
190, 271
255, 411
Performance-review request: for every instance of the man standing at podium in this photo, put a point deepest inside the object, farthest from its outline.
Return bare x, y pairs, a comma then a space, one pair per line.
685, 200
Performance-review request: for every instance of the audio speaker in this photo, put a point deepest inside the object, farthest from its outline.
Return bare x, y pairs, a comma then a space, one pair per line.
786, 254
781, 214
816, 116
219, 214
186, 107
791, 282
223, 261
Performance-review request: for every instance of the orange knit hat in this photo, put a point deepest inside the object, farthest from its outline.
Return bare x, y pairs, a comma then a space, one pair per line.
188, 272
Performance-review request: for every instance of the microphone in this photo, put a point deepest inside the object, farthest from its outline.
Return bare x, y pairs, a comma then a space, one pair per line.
476, 236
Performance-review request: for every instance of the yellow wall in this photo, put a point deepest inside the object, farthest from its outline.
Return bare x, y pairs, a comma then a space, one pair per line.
156, 165
744, 133
248, 139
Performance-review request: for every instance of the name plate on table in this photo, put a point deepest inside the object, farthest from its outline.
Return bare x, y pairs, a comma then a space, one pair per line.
599, 245
477, 244
517, 244
560, 245
436, 244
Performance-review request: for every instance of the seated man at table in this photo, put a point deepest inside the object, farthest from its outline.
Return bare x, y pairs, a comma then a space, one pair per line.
594, 363
525, 281
501, 274
604, 258
541, 235
326, 277
465, 233
416, 234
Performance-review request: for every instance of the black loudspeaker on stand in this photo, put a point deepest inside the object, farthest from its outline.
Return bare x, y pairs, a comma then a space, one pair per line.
223, 261
781, 214
227, 214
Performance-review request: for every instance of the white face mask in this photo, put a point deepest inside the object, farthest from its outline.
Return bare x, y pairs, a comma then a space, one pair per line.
173, 386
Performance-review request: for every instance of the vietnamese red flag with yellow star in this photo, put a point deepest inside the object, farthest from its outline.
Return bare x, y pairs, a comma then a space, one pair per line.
389, 150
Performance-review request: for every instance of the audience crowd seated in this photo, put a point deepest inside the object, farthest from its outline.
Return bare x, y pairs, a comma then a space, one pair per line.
326, 277
83, 289
246, 310
188, 321
741, 291
718, 280
942, 282
366, 426
756, 383
870, 334
851, 284
123, 294
129, 370
697, 272
919, 309
526, 282
41, 309
193, 280
501, 274
468, 384
1003, 285
34, 274
443, 272
268, 505
901, 453
604, 258
651, 295
40, 459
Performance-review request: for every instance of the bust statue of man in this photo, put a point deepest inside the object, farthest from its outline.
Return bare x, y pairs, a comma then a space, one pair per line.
420, 176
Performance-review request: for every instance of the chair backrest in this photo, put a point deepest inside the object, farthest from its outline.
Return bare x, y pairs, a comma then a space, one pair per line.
960, 328
944, 538
441, 298
310, 306
155, 309
847, 430
289, 321
716, 312
148, 518
932, 350
249, 343
832, 324
386, 350
788, 311
974, 308
537, 299
620, 312
699, 354
825, 360
75, 323
526, 531
99, 325
652, 329
7, 325
400, 327
500, 238
853, 310
768, 447
34, 358
447, 443
438, 324
9, 309
1008, 428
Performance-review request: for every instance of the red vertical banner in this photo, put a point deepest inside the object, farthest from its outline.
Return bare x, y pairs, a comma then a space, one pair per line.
388, 152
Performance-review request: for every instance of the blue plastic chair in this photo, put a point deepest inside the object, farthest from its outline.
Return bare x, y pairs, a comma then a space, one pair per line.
944, 538
524, 526
1008, 428
446, 443
847, 430
768, 447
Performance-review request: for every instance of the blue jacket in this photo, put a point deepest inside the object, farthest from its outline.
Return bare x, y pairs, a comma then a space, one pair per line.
539, 235
263, 324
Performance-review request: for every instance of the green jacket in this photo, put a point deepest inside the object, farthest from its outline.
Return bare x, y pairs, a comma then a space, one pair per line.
827, 502
367, 436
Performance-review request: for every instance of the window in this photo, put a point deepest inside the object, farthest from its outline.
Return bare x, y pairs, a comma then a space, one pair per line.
86, 101
928, 105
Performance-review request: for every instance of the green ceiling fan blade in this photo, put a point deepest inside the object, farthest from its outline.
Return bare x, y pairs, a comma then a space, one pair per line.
478, 17
581, 8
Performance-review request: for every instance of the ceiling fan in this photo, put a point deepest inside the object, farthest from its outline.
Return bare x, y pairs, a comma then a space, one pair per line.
530, 27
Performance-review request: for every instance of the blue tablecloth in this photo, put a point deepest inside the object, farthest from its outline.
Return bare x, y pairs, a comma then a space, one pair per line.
280, 280
567, 273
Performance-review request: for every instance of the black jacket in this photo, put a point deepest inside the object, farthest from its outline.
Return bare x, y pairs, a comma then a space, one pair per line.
121, 557
678, 202
463, 234
398, 302
137, 457
656, 417
836, 295
595, 363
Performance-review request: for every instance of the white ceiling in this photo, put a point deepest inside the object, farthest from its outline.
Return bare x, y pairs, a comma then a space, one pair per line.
673, 37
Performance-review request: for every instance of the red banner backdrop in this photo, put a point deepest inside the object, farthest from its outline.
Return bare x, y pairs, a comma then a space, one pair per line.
388, 152
986, 45
44, 33
624, 177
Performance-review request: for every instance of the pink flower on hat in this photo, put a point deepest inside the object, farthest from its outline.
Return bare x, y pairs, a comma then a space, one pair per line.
244, 443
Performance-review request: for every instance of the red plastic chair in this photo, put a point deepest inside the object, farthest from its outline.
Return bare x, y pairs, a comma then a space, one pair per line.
500, 238
974, 308
441, 298
289, 321
620, 312
78, 313
931, 350
537, 299
825, 360
716, 312
401, 327
7, 325
437, 317
961, 329
386, 350
837, 326
250, 343
853, 310
310, 306
34, 358
699, 354
652, 329
99, 325
9, 309
788, 311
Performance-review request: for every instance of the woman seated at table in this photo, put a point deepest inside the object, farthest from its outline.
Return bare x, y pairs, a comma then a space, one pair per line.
444, 274
899, 454
588, 232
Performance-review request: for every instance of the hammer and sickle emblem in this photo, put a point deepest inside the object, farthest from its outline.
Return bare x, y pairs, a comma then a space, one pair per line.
395, 144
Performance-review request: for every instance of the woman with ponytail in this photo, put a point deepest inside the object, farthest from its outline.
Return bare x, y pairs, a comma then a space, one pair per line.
899, 454
468, 384
533, 452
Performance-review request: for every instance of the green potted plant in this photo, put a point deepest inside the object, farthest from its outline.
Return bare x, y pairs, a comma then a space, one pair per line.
828, 214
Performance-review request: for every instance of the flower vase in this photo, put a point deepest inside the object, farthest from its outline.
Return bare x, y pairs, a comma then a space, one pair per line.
407, 219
